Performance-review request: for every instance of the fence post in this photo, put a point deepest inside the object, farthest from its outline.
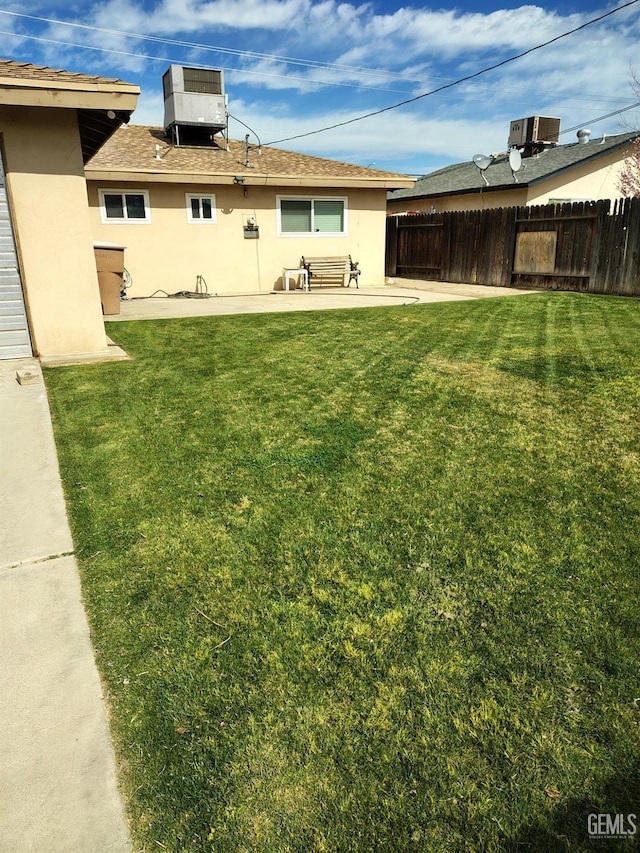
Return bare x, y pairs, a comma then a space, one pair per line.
598, 266
391, 251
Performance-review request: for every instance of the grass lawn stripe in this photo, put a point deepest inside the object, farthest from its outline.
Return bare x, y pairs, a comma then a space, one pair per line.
365, 580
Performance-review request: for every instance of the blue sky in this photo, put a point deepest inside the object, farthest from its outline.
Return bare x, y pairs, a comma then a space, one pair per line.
296, 66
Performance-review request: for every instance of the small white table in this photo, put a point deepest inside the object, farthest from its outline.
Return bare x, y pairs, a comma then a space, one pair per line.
301, 272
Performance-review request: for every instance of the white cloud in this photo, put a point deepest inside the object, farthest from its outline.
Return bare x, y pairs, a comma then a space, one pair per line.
410, 33
171, 17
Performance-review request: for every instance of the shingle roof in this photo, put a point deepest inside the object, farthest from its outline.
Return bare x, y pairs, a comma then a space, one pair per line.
466, 177
25, 71
132, 149
101, 103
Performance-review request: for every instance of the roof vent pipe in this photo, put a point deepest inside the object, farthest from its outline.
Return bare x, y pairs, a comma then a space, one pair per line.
583, 135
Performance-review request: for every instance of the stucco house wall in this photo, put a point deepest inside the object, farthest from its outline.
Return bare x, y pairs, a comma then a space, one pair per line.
48, 198
582, 182
51, 122
169, 252
464, 201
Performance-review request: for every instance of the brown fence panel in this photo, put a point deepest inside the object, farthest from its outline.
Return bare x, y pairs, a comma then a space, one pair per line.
617, 264
604, 266
630, 283
391, 247
494, 253
419, 246
554, 245
471, 247
581, 246
460, 245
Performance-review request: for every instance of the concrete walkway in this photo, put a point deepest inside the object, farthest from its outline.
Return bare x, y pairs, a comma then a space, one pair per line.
58, 790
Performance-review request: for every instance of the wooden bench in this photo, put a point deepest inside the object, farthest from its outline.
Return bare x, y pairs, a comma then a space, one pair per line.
341, 270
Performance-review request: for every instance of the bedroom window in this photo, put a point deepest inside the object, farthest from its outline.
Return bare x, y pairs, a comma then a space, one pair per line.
303, 216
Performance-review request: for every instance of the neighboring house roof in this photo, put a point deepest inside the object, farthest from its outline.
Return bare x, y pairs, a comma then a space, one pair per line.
466, 177
138, 153
26, 85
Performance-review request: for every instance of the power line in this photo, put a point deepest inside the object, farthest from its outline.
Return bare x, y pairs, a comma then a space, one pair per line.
601, 118
235, 118
458, 81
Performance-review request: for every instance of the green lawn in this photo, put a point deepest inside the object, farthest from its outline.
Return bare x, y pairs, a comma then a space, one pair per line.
366, 580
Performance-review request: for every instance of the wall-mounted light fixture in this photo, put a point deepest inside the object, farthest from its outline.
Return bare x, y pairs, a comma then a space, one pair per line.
119, 115
238, 179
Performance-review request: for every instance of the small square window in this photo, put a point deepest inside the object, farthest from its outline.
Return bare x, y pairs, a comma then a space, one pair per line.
201, 208
118, 206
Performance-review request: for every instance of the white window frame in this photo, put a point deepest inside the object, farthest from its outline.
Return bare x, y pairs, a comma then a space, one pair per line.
110, 220
312, 199
188, 199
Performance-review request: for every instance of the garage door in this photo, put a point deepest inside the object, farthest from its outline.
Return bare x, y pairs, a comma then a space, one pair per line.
14, 329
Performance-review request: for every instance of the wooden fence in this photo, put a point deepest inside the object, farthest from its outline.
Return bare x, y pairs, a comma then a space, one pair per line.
588, 246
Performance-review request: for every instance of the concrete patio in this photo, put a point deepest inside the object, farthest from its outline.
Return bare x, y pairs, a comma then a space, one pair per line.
400, 292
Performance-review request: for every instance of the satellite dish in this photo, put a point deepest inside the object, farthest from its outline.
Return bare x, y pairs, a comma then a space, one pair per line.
515, 159
482, 161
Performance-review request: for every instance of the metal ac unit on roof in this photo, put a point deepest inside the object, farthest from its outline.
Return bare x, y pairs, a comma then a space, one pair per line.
534, 129
194, 97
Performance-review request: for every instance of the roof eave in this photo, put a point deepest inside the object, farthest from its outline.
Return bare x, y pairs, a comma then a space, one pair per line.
116, 97
464, 191
260, 180
101, 85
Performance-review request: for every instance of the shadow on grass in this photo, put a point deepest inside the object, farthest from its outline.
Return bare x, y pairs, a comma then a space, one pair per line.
567, 826
561, 368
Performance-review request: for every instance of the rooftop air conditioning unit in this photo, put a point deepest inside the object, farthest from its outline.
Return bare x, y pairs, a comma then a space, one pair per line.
541, 129
194, 97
